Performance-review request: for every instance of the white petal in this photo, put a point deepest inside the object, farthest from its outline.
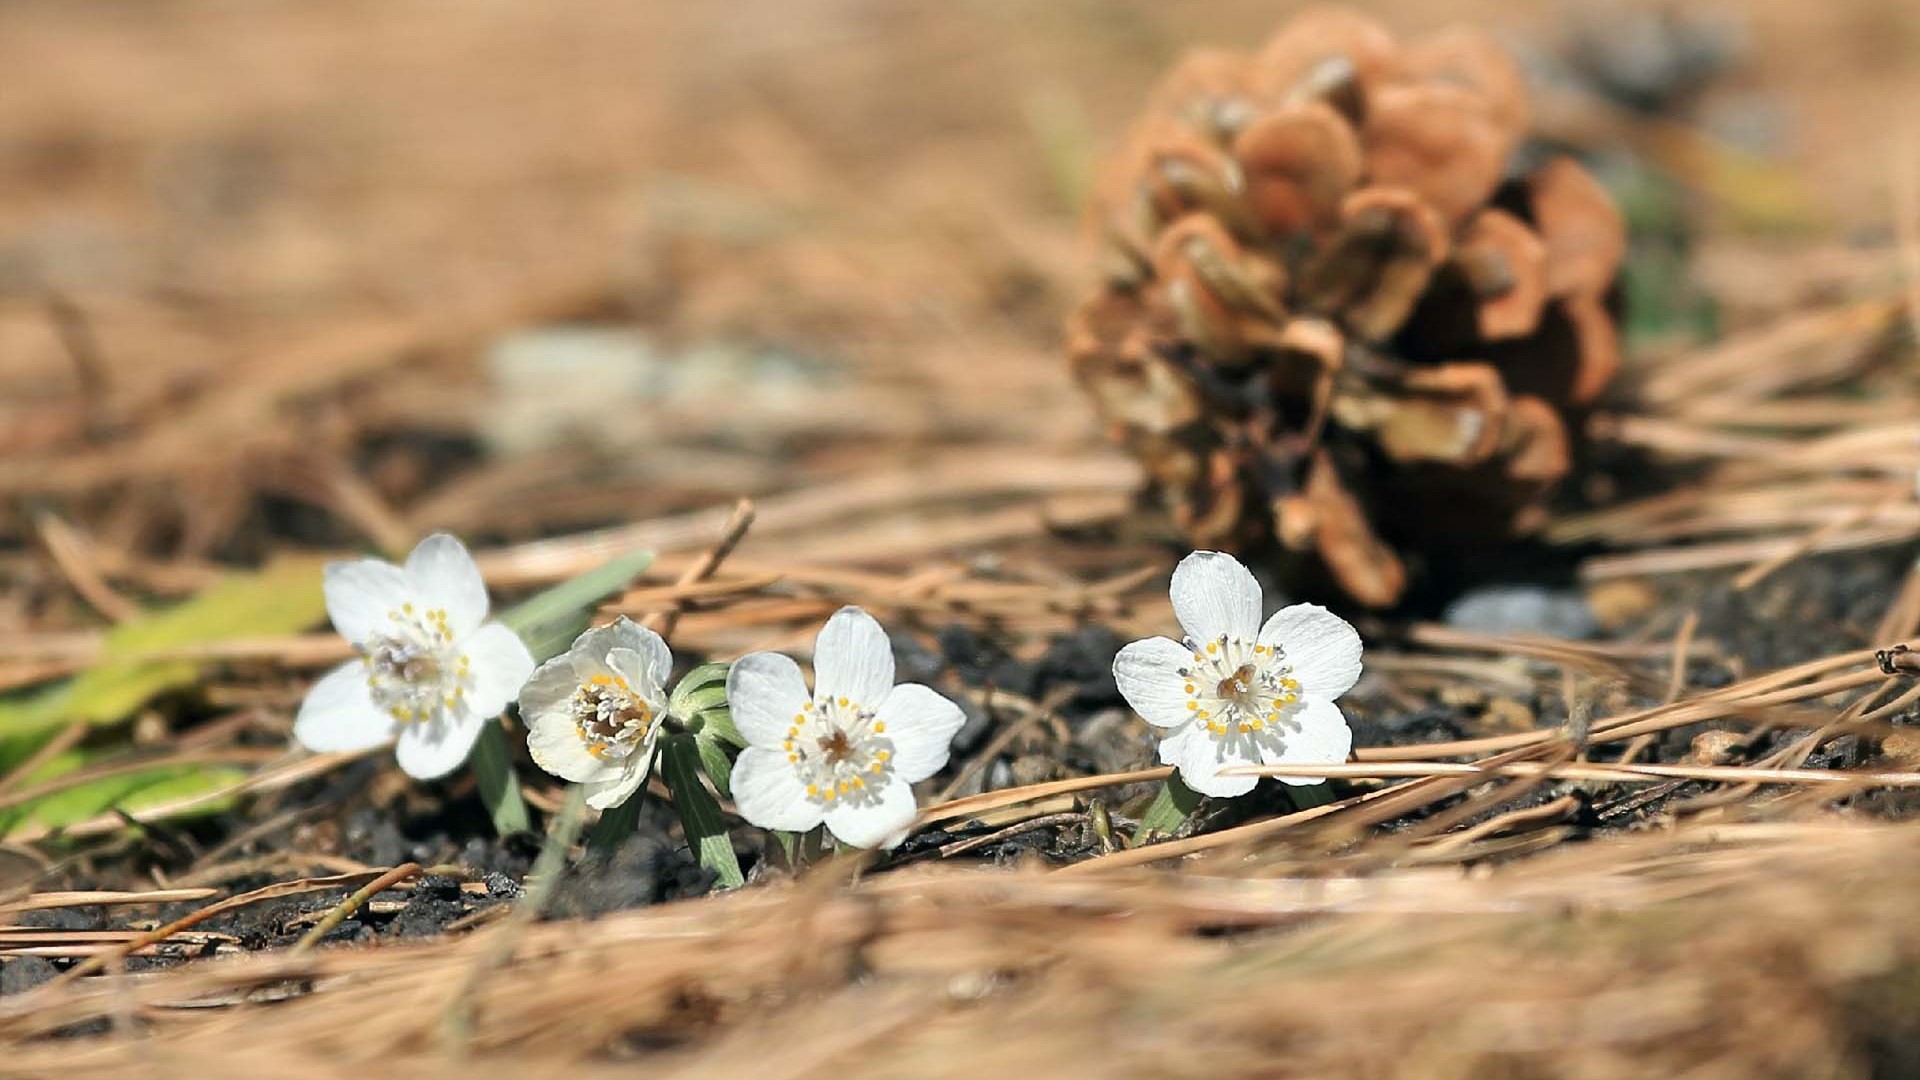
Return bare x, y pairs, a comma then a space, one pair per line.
339, 713
652, 661
1323, 738
765, 692
853, 659
609, 793
361, 595
500, 666
1199, 757
554, 741
768, 792
922, 724
1148, 673
431, 750
1214, 596
444, 576
881, 824
549, 688
1323, 648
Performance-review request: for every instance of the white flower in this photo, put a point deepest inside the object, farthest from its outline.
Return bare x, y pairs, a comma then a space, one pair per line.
593, 713
845, 754
432, 671
1237, 692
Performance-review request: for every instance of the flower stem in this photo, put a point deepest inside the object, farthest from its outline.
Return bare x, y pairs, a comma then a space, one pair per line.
615, 825
1168, 811
499, 787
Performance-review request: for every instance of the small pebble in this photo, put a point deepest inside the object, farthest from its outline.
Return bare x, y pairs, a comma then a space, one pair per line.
1523, 609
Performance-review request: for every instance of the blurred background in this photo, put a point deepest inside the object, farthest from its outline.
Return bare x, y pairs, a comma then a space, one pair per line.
332, 274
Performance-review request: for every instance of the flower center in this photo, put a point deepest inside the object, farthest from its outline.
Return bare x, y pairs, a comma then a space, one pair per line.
612, 720
840, 751
413, 670
1241, 690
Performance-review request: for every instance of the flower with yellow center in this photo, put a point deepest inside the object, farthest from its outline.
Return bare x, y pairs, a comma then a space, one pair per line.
1236, 691
431, 671
848, 752
593, 713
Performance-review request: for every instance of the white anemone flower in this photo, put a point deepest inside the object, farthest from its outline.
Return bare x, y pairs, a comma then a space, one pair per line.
431, 673
594, 712
848, 752
1236, 691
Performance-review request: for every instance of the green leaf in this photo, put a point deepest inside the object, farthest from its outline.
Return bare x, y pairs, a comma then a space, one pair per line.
699, 813
717, 724
282, 598
688, 705
1308, 796
713, 758
1169, 810
130, 793
549, 621
499, 786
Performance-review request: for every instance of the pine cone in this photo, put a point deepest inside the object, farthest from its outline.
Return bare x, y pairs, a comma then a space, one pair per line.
1329, 317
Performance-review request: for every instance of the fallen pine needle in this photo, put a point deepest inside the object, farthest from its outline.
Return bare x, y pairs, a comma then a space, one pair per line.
352, 904
1713, 774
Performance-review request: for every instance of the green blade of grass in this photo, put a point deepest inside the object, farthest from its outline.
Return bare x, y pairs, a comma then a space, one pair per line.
499, 784
549, 621
280, 599
129, 793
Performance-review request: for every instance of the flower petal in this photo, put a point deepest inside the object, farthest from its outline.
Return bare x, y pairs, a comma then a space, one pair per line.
765, 691
768, 792
882, 823
853, 659
339, 713
431, 750
554, 741
444, 576
551, 687
1323, 738
1148, 673
1199, 757
609, 793
362, 595
652, 661
1214, 597
922, 723
1323, 648
500, 664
